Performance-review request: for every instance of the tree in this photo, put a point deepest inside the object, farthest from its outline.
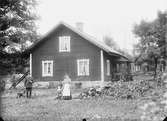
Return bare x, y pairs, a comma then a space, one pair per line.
151, 36
17, 26
110, 42
162, 33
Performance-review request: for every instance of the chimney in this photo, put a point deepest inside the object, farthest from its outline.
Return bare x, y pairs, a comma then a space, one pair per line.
79, 26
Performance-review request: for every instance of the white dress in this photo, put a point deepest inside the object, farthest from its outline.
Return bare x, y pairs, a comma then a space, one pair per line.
66, 88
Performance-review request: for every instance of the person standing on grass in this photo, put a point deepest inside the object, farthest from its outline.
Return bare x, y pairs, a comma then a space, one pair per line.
28, 84
14, 80
66, 92
59, 91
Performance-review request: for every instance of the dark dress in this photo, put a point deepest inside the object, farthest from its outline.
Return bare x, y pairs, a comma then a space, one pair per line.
28, 85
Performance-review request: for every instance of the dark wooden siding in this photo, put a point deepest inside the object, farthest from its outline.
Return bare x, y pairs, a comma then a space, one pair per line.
66, 62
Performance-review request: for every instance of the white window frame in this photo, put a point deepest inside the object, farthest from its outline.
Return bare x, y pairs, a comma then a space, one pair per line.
45, 72
79, 67
62, 41
108, 67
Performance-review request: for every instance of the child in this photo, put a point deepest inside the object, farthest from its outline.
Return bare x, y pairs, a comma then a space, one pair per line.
59, 91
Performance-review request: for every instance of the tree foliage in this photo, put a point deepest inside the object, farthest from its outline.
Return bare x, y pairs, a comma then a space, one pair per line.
110, 42
17, 26
152, 41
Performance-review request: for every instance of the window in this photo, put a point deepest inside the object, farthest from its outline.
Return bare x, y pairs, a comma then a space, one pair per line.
64, 44
108, 67
83, 67
47, 68
117, 67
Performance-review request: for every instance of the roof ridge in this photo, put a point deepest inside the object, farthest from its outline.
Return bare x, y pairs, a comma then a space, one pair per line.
88, 37
95, 40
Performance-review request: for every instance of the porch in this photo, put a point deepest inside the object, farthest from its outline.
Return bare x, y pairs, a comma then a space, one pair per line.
122, 70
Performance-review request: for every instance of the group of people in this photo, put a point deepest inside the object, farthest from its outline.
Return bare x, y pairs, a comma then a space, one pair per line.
63, 89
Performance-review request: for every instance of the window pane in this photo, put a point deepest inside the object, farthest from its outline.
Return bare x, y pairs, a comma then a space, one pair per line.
49, 68
87, 67
81, 68
45, 68
108, 67
65, 46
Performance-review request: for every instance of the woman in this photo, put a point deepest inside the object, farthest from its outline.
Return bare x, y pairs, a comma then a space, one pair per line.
66, 93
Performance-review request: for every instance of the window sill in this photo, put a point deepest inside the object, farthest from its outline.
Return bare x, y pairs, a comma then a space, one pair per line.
64, 51
83, 75
47, 76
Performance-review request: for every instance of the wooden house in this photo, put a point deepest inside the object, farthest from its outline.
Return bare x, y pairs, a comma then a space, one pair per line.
68, 50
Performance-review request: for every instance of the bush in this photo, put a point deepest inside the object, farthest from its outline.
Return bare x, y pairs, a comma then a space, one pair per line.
128, 90
2, 85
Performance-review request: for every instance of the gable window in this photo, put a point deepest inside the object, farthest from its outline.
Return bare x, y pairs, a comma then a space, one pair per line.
83, 67
64, 44
47, 68
108, 67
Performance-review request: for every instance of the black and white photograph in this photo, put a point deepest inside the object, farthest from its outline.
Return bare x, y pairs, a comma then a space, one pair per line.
83, 60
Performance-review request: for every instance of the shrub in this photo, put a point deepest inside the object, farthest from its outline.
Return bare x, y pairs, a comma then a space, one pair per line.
2, 85
128, 90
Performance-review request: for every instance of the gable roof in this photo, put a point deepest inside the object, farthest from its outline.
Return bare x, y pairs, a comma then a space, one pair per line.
89, 38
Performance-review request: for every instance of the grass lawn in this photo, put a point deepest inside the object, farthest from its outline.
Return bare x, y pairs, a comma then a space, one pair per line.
44, 107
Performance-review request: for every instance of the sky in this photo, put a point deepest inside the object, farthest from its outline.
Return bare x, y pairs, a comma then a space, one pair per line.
114, 18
